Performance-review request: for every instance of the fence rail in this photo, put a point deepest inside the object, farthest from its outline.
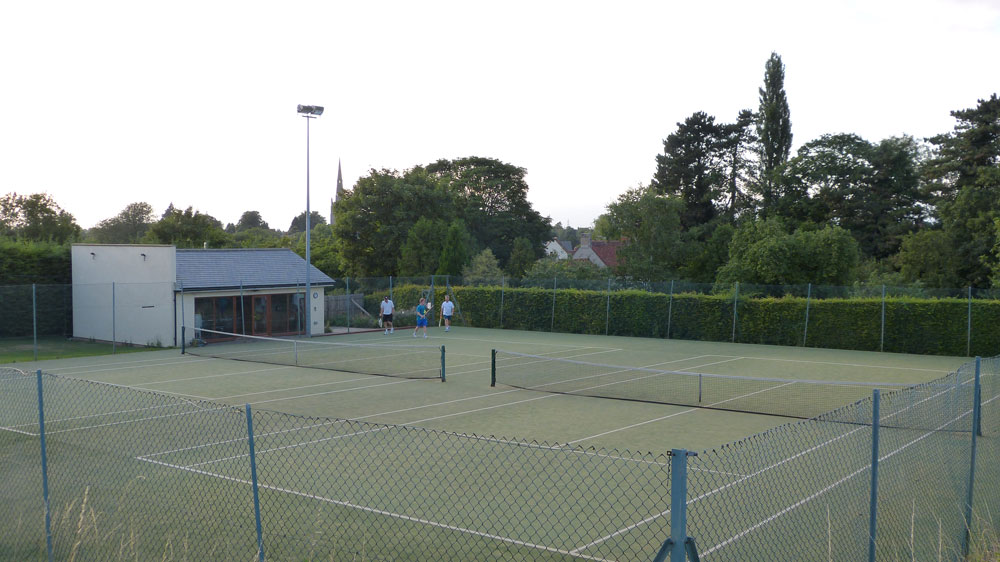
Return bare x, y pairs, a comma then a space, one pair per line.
96, 471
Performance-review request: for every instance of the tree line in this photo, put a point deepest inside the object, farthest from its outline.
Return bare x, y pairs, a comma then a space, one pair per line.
727, 201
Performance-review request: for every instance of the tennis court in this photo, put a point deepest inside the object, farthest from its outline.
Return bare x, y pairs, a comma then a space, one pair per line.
582, 477
466, 403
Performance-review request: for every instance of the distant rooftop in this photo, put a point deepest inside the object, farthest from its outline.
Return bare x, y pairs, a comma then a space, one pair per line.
249, 268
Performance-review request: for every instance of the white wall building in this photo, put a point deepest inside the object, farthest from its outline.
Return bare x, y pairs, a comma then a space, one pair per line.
145, 294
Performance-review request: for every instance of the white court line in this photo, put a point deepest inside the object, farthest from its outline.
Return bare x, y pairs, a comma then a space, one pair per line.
835, 484
379, 511
940, 371
765, 469
12, 430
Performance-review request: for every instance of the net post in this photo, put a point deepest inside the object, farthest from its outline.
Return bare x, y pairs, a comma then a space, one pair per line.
295, 350
873, 502
493, 367
968, 334
670, 308
34, 321
805, 331
183, 343
45, 466
699, 387
442, 364
976, 412
253, 479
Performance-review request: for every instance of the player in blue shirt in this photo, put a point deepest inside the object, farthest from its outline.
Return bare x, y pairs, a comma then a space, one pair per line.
421, 317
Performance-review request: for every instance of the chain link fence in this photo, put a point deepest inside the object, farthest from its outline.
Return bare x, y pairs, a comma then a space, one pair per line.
97, 471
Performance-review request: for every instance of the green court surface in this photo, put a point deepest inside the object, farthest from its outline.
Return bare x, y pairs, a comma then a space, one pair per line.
466, 403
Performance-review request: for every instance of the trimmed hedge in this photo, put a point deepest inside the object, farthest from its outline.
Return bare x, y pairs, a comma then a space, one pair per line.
912, 325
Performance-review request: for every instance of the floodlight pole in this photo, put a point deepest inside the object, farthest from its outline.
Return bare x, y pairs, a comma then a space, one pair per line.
309, 112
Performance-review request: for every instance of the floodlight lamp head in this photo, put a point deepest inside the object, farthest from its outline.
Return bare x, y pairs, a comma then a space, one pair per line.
311, 109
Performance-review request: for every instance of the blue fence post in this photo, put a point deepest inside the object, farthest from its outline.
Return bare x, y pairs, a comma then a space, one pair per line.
34, 321
873, 505
976, 397
881, 345
503, 287
674, 548
114, 318
253, 480
45, 467
552, 325
607, 312
968, 332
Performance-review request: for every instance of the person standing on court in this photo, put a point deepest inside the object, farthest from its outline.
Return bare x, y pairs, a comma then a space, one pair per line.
421, 317
387, 308
447, 309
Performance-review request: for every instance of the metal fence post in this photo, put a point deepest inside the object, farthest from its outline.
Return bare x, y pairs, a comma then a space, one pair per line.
673, 548
243, 312
881, 345
607, 313
670, 308
34, 320
552, 325
253, 480
968, 335
976, 397
503, 284
873, 505
114, 318
736, 298
805, 331
347, 281
45, 467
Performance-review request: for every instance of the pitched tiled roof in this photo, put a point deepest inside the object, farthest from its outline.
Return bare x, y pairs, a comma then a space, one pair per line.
251, 268
607, 251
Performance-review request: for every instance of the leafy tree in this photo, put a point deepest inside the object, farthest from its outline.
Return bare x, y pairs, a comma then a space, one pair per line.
299, 222
871, 190
188, 229
928, 256
252, 219
484, 269
456, 249
127, 227
551, 268
36, 217
762, 252
691, 168
323, 251
521, 257
651, 224
267, 238
566, 234
492, 198
774, 129
963, 178
374, 219
421, 253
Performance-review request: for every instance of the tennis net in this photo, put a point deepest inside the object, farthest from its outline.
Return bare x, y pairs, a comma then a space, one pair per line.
791, 398
384, 359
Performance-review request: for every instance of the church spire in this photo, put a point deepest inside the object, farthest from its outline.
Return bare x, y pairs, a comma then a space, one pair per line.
339, 192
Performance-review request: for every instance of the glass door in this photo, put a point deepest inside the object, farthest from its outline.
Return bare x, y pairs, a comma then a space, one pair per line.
261, 312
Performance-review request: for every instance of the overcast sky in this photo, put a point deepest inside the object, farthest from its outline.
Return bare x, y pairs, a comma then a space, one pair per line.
103, 104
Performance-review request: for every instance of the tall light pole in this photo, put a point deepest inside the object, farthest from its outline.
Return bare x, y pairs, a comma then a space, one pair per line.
310, 112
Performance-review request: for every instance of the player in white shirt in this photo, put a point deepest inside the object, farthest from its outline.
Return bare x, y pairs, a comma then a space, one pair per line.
387, 307
447, 309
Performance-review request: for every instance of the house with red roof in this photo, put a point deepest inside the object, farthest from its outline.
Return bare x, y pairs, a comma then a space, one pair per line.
599, 252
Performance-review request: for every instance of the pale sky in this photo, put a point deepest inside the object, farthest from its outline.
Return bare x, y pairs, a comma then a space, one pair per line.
107, 103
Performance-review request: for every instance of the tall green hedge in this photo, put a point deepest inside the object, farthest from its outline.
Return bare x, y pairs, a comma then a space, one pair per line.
912, 325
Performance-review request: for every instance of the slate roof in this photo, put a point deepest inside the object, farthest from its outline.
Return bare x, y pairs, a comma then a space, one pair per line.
253, 267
